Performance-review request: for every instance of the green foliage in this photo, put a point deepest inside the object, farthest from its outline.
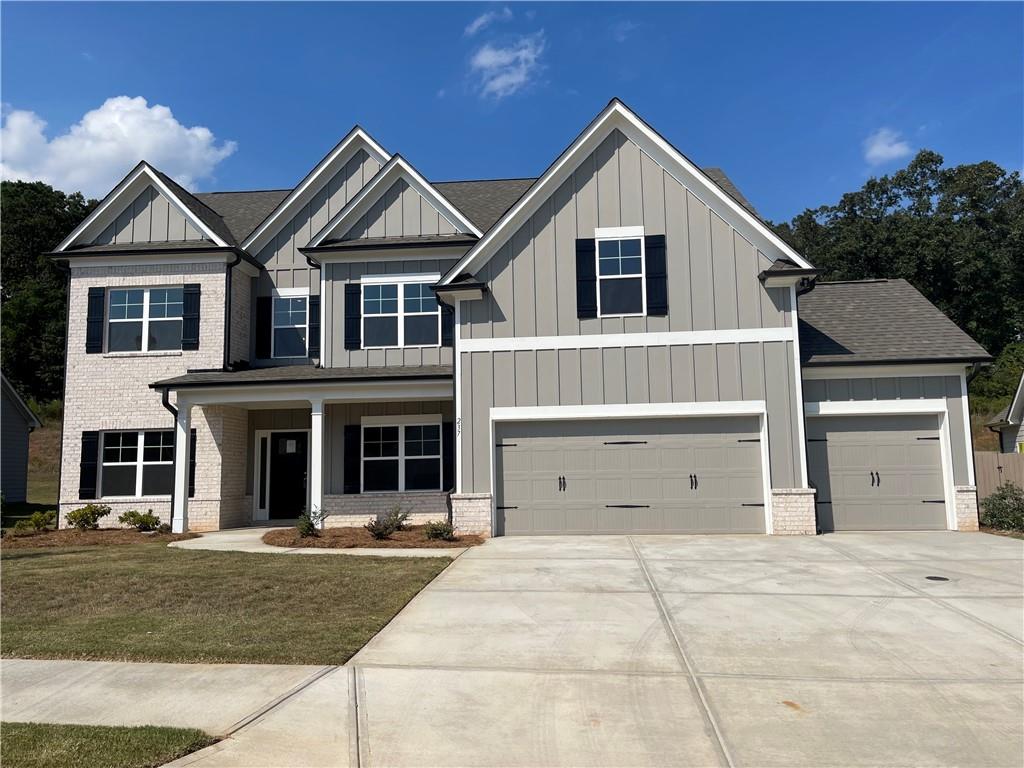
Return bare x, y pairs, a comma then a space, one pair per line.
43, 519
36, 218
310, 522
47, 410
995, 386
440, 529
383, 527
88, 517
163, 528
140, 521
1004, 508
956, 234
24, 526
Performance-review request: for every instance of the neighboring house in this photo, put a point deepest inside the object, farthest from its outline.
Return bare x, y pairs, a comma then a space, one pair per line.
1009, 423
17, 422
621, 345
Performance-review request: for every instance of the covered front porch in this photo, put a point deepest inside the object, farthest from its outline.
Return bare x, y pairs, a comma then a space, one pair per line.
264, 446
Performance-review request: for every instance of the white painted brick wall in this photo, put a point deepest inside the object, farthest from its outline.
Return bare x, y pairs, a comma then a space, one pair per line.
966, 508
471, 513
793, 511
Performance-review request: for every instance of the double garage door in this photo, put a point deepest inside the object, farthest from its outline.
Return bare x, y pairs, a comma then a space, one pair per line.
690, 475
876, 473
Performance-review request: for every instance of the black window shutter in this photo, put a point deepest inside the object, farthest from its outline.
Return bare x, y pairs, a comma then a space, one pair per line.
94, 325
447, 326
264, 315
353, 317
190, 316
192, 464
657, 275
89, 464
352, 458
447, 455
314, 326
586, 279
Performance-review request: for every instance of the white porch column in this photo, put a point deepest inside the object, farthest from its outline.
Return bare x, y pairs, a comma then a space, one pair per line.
316, 455
182, 445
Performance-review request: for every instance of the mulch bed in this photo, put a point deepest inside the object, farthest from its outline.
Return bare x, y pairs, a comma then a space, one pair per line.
71, 537
1001, 532
413, 537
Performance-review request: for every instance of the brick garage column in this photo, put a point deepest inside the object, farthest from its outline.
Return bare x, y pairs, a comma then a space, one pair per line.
316, 455
966, 508
793, 512
471, 513
182, 444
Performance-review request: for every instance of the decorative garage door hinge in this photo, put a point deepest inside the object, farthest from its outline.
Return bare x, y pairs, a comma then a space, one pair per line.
627, 506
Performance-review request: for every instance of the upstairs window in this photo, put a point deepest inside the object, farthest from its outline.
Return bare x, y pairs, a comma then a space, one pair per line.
400, 314
144, 319
620, 276
291, 326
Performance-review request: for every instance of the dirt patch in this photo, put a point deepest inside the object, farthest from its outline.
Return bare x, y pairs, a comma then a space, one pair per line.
414, 537
70, 537
1000, 532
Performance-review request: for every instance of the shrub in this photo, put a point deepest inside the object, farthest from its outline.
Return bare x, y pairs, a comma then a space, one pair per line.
24, 526
88, 517
396, 519
42, 520
383, 527
1004, 508
310, 523
440, 529
163, 528
140, 521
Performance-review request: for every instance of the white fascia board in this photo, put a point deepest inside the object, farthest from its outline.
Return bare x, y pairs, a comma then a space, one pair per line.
875, 407
396, 168
617, 115
883, 371
278, 395
405, 277
616, 340
628, 411
356, 139
1015, 413
130, 187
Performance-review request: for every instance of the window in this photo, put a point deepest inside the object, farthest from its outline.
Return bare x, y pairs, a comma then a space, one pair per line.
144, 319
137, 463
620, 276
402, 457
404, 314
291, 326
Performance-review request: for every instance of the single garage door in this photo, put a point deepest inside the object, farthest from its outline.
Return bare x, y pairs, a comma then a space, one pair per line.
695, 475
877, 473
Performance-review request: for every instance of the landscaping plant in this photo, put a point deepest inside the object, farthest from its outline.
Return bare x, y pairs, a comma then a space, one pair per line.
140, 521
87, 518
440, 529
43, 519
1004, 508
383, 527
310, 522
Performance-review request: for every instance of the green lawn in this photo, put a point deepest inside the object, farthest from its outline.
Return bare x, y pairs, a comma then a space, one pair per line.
39, 745
148, 602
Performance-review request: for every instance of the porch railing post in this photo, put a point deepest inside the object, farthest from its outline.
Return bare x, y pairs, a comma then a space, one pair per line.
182, 459
316, 455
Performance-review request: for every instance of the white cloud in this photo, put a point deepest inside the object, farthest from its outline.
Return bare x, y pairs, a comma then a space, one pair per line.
885, 145
96, 152
622, 29
503, 70
486, 19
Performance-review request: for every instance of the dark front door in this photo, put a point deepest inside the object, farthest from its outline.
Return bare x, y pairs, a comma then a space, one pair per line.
288, 467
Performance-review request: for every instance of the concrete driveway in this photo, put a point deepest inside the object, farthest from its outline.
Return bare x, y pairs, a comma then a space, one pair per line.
849, 649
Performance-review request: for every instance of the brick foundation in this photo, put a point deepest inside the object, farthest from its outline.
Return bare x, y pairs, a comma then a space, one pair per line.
359, 508
471, 513
966, 508
793, 512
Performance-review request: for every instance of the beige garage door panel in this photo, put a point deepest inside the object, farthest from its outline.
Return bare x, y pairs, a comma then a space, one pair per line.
629, 476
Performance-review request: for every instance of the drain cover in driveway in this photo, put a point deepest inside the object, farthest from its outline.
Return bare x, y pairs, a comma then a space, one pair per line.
936, 578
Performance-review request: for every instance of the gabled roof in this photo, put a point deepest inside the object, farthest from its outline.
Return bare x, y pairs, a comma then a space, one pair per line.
485, 200
20, 405
878, 321
243, 211
354, 140
718, 176
204, 219
396, 168
618, 116
1013, 414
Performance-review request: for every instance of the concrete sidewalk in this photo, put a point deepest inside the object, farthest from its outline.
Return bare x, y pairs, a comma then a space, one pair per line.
216, 698
251, 540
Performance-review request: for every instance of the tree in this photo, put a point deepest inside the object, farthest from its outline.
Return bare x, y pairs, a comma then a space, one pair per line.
36, 218
956, 234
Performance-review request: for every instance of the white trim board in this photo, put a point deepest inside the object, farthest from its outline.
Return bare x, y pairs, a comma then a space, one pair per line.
883, 371
798, 385
615, 340
639, 411
280, 394
617, 116
131, 186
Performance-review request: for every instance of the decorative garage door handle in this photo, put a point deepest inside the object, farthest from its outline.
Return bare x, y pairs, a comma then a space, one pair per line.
561, 483
627, 506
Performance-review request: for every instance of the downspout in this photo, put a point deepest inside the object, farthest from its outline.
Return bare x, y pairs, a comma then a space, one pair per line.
227, 310
323, 309
64, 267
165, 399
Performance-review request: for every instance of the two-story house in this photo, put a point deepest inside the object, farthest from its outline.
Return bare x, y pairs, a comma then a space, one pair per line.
619, 345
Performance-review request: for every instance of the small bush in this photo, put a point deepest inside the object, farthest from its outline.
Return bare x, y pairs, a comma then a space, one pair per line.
140, 521
396, 519
43, 519
163, 528
1004, 508
87, 518
310, 523
440, 529
24, 526
383, 527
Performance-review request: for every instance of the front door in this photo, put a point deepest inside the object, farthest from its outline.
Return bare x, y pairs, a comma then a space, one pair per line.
289, 465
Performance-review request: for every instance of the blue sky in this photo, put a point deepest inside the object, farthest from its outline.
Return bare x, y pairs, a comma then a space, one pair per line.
797, 102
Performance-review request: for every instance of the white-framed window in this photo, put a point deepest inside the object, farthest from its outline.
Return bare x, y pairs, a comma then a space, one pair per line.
401, 455
621, 283
137, 463
144, 319
400, 311
290, 334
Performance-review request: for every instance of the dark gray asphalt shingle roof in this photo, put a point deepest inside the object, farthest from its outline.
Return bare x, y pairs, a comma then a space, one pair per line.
285, 374
242, 212
878, 321
204, 212
484, 201
170, 245
379, 242
718, 176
